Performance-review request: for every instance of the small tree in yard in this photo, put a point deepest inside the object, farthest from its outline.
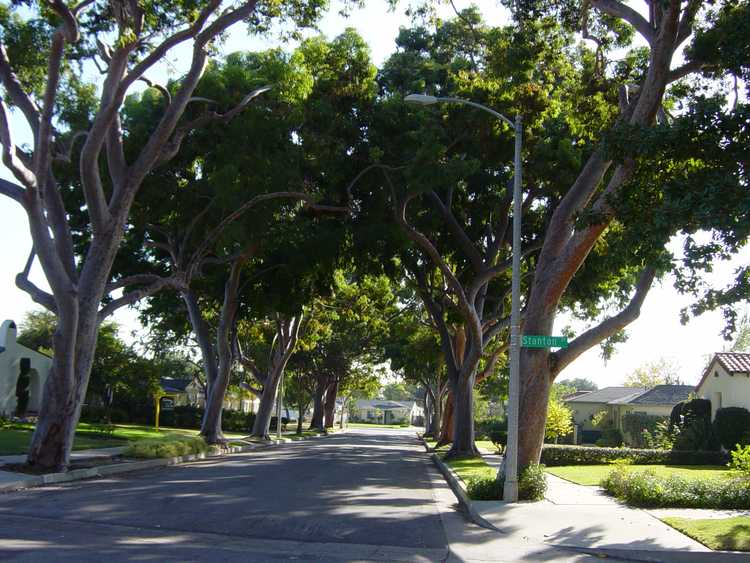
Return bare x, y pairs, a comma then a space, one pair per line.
78, 246
559, 421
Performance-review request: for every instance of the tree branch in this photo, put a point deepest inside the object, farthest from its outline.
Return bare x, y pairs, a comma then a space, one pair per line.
561, 359
131, 297
620, 10
38, 295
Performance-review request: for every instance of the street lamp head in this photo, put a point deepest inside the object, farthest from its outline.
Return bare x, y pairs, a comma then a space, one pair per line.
422, 99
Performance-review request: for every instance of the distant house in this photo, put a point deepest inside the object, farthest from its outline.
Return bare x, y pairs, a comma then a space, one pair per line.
620, 401
185, 392
13, 358
382, 411
726, 381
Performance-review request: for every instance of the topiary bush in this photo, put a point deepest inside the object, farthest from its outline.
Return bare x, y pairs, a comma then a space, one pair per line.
556, 455
731, 426
646, 489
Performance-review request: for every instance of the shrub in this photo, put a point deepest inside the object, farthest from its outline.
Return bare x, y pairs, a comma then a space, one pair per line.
485, 427
662, 437
635, 424
694, 410
731, 424
484, 488
532, 484
237, 421
741, 459
611, 438
556, 455
499, 439
169, 447
696, 434
646, 489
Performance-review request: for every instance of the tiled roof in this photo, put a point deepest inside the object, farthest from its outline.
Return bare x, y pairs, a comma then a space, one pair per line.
734, 362
663, 395
608, 395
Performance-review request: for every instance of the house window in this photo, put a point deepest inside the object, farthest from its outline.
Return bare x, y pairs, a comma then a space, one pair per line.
716, 374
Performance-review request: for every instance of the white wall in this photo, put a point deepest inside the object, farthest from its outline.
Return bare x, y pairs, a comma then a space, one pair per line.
725, 390
10, 367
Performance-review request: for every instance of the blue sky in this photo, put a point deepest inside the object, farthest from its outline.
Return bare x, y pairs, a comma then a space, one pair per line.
657, 333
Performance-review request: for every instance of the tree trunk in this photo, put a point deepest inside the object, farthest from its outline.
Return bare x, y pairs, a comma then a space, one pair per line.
301, 408
265, 410
74, 343
428, 408
330, 404
463, 419
445, 435
536, 381
343, 411
317, 418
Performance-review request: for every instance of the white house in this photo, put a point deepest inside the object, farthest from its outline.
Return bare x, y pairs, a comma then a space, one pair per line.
726, 381
14, 356
383, 411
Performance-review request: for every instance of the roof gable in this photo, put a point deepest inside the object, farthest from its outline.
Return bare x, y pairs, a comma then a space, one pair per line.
732, 362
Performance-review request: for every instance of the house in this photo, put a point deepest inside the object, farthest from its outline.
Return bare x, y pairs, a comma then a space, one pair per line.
586, 405
621, 401
15, 357
382, 411
183, 392
726, 381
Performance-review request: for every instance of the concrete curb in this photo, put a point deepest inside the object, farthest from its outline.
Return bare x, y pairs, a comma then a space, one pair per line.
454, 482
129, 466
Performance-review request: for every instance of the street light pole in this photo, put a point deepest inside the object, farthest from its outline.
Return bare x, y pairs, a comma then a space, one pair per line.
510, 489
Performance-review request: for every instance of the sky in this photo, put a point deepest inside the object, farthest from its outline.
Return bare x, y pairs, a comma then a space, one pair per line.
656, 334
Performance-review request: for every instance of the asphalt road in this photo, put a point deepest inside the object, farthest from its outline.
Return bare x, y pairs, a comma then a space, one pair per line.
343, 496
366, 495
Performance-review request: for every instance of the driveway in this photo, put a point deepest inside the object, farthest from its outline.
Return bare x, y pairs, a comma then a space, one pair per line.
362, 495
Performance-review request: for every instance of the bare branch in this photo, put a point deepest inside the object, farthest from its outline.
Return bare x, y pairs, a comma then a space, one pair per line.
16, 92
559, 360
10, 159
684, 70
620, 10
172, 147
11, 190
463, 239
131, 297
38, 295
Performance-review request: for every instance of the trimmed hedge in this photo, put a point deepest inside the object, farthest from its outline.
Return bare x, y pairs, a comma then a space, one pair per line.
732, 425
556, 455
646, 489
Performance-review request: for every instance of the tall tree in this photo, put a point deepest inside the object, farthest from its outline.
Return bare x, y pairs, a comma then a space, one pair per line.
59, 35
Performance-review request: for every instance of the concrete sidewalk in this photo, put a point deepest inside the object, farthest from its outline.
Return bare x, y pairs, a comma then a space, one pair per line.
583, 517
78, 455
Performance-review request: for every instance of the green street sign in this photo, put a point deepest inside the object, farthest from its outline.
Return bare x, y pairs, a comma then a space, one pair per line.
531, 341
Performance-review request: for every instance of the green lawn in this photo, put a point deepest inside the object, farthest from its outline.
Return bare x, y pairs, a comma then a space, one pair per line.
470, 468
485, 446
593, 474
730, 534
16, 440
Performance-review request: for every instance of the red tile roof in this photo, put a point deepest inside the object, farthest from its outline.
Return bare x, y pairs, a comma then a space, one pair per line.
734, 362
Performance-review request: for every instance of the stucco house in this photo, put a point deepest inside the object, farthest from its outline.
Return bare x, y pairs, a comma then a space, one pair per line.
726, 381
620, 401
382, 411
13, 358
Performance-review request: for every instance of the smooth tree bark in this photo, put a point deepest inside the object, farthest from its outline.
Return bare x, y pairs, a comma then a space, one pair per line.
80, 284
447, 292
566, 248
217, 388
282, 347
321, 384
329, 407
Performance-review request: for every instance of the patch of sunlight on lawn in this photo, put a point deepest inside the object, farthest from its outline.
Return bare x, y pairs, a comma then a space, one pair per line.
593, 474
726, 534
470, 468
